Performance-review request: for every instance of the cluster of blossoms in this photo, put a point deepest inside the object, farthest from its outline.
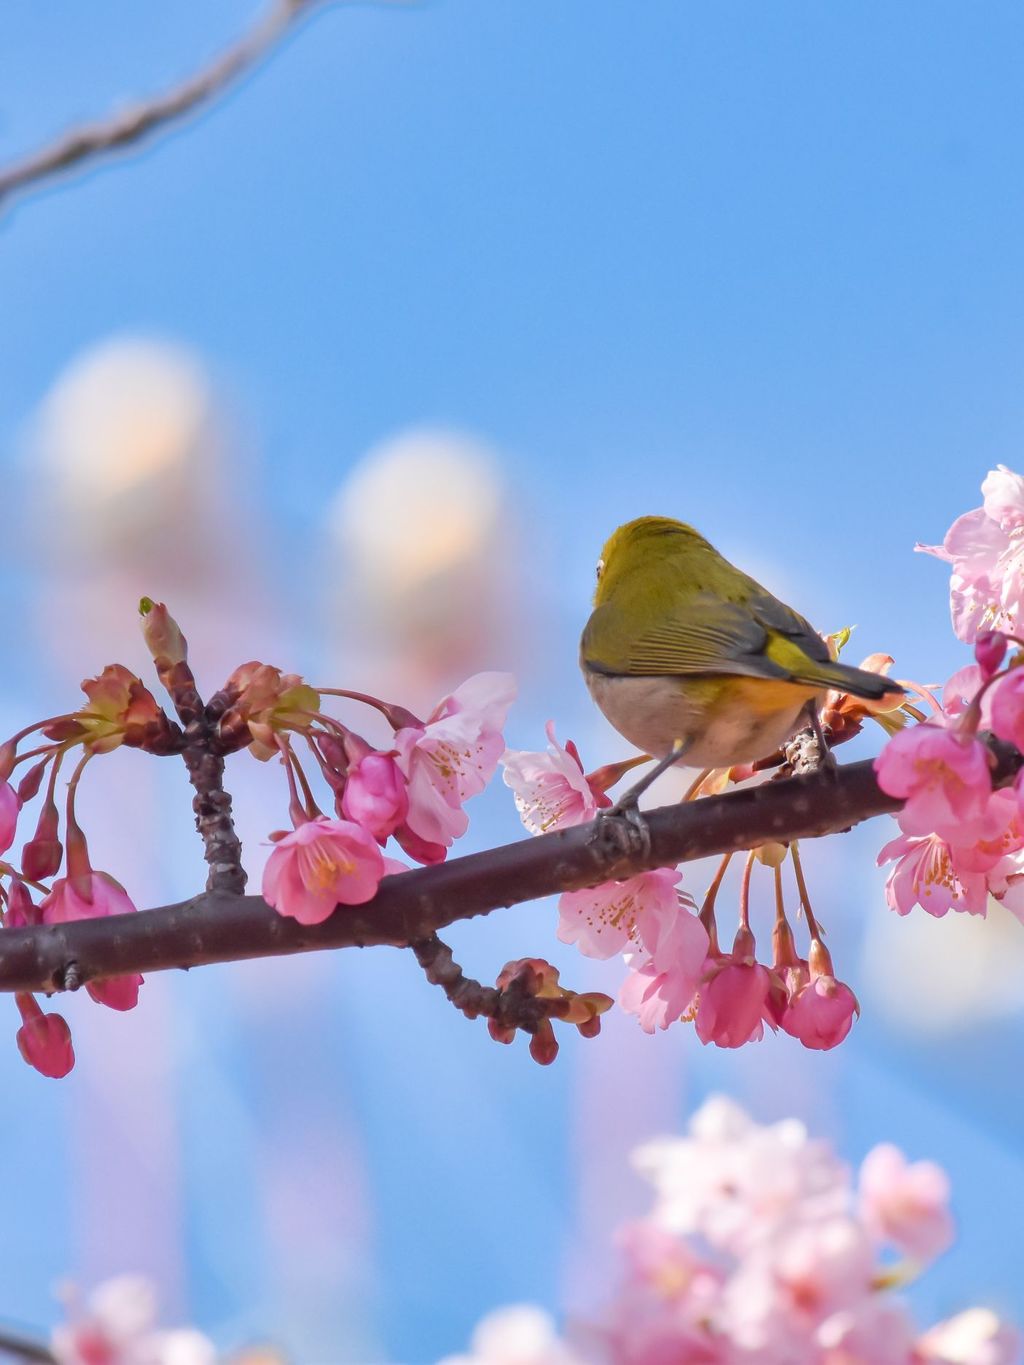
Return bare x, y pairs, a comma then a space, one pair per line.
962, 824
412, 791
676, 969
760, 1250
117, 1325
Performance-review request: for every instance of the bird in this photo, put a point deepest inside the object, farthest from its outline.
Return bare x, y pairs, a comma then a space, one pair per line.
690, 659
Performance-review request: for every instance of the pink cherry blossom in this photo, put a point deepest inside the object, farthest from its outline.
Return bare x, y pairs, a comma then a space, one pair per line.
904, 1203
944, 777
975, 1337
551, 790
321, 864
928, 874
375, 796
603, 920
877, 1331
821, 1013
66, 900
116, 992
117, 1326
44, 1040
453, 756
986, 552
10, 806
1008, 707
659, 989
733, 1004
420, 850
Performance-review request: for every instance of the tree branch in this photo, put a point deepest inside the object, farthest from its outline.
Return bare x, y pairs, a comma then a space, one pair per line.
137, 121
219, 927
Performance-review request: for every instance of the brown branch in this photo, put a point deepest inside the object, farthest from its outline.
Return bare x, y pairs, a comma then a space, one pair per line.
25, 1348
136, 122
216, 927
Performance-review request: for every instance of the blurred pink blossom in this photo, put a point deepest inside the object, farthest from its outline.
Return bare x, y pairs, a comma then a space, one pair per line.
906, 1204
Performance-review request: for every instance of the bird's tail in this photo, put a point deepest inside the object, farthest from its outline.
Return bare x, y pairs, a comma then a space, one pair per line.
857, 681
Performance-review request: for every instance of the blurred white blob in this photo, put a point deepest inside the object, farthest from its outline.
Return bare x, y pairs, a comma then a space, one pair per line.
932, 976
128, 454
518, 1335
424, 566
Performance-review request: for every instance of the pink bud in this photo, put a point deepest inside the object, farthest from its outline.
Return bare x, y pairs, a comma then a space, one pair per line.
41, 856
376, 796
733, 1005
501, 1033
989, 651
9, 809
163, 637
116, 992
421, 850
821, 1014
30, 782
21, 910
44, 1040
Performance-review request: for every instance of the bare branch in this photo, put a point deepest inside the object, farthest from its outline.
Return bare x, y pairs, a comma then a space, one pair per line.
136, 122
25, 1348
218, 927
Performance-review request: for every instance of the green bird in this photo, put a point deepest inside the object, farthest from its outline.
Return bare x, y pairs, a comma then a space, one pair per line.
689, 657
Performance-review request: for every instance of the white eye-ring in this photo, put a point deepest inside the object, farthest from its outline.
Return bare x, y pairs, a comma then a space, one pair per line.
599, 570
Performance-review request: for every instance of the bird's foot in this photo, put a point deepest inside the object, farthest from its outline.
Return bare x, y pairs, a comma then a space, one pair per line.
628, 810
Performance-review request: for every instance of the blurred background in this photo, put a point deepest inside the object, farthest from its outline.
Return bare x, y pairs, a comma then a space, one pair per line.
358, 370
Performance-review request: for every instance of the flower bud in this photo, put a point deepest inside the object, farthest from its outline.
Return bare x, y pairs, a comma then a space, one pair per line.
162, 634
44, 1040
989, 651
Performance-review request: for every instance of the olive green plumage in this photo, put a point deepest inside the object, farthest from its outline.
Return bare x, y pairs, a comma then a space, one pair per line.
669, 607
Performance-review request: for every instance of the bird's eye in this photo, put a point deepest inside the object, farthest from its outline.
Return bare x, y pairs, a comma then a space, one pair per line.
600, 568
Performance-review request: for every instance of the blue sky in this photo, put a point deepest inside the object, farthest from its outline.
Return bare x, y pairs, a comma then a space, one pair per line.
755, 266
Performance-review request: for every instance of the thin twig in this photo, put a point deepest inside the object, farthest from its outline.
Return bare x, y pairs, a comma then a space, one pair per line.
410, 907
133, 124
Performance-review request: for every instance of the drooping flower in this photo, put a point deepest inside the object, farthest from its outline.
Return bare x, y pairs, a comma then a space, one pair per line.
10, 807
603, 920
944, 778
375, 795
44, 1040
551, 789
116, 992
733, 1004
821, 1013
319, 865
85, 897
928, 874
906, 1204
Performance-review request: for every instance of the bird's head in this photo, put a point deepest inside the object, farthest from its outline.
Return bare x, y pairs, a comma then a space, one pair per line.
642, 546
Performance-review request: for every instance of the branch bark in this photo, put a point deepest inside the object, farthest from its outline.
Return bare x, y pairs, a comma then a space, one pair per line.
138, 121
220, 927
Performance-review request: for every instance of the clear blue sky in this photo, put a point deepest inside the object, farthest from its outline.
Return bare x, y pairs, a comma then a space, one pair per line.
757, 266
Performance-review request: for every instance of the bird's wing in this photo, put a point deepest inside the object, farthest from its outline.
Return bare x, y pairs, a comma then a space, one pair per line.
701, 636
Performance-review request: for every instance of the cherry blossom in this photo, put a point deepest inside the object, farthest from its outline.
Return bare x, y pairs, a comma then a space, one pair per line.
928, 874
733, 1003
551, 789
44, 1040
603, 920
821, 1013
904, 1203
319, 865
116, 992
757, 1252
943, 776
986, 552
518, 1335
375, 795
10, 808
453, 756
117, 1326
85, 896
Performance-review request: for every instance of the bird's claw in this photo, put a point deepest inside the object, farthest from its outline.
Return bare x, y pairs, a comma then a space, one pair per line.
628, 810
